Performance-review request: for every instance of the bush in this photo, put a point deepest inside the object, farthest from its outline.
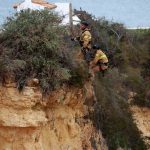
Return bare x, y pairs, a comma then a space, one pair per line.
142, 98
112, 114
79, 74
128, 51
134, 80
33, 45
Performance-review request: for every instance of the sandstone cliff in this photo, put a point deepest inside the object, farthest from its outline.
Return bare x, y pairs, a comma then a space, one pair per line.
59, 121
141, 116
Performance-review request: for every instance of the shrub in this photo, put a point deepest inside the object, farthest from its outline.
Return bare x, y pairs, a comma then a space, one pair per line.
112, 114
142, 97
33, 45
128, 51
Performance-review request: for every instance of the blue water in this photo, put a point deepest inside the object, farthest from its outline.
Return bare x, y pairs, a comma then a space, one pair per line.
133, 13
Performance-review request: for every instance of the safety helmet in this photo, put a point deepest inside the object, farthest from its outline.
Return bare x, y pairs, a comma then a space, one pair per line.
85, 23
96, 46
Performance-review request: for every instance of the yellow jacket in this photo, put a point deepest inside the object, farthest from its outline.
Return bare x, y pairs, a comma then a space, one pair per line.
85, 38
100, 57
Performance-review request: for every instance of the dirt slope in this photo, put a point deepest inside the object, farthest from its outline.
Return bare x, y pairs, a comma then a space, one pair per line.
141, 116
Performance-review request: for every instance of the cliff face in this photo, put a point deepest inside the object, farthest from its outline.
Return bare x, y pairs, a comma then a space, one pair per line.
56, 122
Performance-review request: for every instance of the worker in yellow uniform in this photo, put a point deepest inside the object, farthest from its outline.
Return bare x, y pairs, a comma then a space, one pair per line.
85, 40
100, 61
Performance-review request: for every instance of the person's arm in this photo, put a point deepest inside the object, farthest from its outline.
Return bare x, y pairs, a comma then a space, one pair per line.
95, 61
97, 56
75, 38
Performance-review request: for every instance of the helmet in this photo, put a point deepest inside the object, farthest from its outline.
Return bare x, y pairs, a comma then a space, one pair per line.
96, 46
85, 23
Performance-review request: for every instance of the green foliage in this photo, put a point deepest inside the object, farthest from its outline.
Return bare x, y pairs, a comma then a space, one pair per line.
142, 97
112, 114
79, 74
128, 51
106, 33
146, 69
33, 45
134, 80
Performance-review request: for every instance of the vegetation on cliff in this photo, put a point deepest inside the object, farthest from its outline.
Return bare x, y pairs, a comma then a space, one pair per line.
33, 45
129, 55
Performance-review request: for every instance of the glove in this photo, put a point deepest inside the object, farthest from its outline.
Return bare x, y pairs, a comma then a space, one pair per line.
78, 38
75, 39
72, 39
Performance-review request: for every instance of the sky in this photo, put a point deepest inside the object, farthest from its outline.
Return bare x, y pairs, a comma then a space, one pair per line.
132, 13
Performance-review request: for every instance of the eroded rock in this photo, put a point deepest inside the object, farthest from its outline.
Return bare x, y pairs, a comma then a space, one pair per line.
30, 122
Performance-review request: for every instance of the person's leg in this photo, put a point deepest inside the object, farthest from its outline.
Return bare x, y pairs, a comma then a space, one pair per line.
96, 69
103, 69
103, 72
87, 57
92, 72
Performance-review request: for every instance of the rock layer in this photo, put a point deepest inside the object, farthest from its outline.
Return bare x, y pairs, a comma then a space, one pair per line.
56, 122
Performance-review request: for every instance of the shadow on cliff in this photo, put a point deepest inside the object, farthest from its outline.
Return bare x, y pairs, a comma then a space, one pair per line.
112, 115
